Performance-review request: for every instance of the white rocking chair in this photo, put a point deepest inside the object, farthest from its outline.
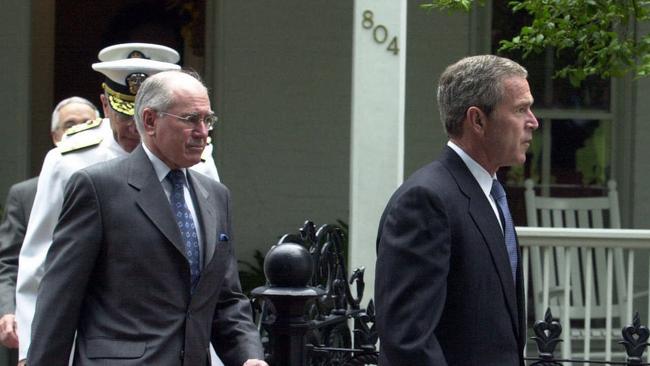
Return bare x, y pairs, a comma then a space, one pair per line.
594, 296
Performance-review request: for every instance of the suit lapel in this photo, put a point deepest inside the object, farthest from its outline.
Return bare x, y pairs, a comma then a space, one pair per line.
206, 215
483, 216
151, 198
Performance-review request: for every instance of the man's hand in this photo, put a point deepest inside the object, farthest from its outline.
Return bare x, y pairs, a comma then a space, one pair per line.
8, 335
22, 363
254, 362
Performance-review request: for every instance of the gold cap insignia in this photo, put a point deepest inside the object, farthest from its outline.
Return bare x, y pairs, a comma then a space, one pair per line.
134, 81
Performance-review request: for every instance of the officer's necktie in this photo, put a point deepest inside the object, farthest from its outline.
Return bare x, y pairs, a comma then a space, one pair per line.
508, 228
185, 224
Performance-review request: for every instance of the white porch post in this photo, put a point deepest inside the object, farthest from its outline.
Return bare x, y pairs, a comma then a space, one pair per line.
377, 136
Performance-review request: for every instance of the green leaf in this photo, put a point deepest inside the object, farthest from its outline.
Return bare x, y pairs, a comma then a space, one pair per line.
598, 34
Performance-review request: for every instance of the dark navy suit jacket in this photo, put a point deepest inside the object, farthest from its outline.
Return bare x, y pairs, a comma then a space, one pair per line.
444, 290
12, 233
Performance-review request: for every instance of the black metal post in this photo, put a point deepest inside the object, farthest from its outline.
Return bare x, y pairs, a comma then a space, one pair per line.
288, 268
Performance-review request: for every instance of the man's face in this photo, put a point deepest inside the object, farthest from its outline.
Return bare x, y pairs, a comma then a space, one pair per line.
70, 115
178, 143
123, 126
510, 126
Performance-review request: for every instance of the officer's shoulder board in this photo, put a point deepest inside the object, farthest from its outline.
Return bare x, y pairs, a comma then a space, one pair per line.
75, 141
68, 146
88, 125
204, 155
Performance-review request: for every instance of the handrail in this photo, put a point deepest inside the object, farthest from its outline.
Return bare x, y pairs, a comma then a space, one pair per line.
590, 238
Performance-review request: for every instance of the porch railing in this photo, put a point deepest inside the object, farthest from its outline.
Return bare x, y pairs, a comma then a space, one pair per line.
592, 279
310, 315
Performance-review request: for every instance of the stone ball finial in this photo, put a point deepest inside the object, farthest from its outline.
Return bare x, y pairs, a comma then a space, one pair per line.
288, 265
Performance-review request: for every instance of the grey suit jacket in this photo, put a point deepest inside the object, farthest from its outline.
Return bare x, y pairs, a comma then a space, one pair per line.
12, 232
117, 274
444, 290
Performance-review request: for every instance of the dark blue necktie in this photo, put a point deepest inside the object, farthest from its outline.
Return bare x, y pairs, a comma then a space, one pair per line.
508, 228
185, 224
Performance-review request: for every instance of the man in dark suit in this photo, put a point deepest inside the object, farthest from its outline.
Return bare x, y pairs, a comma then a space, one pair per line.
142, 265
449, 281
67, 113
12, 232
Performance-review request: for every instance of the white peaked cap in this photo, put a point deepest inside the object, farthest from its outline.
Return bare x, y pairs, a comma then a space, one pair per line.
119, 70
149, 51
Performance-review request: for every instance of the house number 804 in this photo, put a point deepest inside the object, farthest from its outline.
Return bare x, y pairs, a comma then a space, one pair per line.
379, 32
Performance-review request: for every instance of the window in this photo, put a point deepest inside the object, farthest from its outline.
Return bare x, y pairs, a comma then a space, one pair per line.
572, 150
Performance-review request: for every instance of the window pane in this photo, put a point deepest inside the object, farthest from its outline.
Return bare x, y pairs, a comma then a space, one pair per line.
579, 154
578, 166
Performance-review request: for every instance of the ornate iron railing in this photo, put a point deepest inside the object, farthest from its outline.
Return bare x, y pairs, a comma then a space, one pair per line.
307, 303
306, 307
547, 337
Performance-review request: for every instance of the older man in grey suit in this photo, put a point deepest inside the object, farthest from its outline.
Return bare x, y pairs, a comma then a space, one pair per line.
142, 263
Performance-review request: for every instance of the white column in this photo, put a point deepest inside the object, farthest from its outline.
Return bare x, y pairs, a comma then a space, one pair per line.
377, 137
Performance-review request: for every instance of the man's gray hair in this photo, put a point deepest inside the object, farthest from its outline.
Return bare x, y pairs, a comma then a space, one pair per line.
473, 81
156, 93
56, 114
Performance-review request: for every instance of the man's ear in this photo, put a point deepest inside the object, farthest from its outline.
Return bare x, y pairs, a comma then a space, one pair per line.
105, 105
149, 120
476, 118
56, 138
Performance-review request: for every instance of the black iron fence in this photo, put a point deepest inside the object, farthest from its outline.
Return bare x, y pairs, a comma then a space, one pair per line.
548, 335
307, 306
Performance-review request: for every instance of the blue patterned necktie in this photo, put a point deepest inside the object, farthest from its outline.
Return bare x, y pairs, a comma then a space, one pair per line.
508, 228
185, 224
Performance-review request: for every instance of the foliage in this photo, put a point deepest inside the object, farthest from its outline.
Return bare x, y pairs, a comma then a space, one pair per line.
464, 5
599, 35
252, 275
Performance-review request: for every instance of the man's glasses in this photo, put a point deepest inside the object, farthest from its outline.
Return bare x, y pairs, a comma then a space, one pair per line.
194, 120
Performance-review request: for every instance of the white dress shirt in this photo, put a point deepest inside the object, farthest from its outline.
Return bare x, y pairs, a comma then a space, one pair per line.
483, 178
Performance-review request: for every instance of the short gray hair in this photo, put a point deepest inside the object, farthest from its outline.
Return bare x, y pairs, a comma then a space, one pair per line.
473, 81
56, 114
156, 93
